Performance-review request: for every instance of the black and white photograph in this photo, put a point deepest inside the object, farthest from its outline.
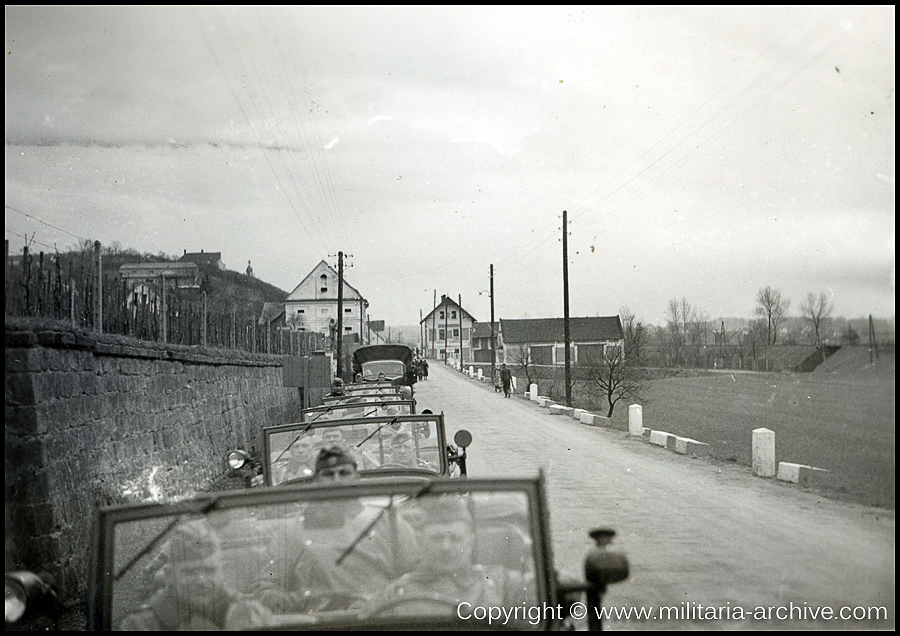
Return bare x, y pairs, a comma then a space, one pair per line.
436, 317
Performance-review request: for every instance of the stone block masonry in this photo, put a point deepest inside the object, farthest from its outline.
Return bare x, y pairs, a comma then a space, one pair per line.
98, 420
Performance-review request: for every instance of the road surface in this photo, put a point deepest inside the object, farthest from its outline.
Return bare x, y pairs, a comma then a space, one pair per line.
704, 537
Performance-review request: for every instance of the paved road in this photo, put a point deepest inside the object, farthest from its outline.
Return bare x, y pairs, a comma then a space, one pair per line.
699, 533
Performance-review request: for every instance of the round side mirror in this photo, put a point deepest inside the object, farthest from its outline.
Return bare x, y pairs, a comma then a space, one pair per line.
462, 438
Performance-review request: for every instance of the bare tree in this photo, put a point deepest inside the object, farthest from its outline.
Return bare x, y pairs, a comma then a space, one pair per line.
816, 309
773, 308
680, 319
635, 335
615, 377
520, 356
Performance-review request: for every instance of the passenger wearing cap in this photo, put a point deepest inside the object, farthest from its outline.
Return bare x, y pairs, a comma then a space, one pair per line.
327, 573
295, 463
403, 451
335, 463
450, 572
337, 387
193, 595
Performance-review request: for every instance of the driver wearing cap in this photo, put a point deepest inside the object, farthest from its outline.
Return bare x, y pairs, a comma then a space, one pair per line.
450, 574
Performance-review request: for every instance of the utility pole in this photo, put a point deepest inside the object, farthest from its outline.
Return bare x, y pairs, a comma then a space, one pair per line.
433, 328
340, 312
493, 336
421, 333
446, 314
565, 230
460, 334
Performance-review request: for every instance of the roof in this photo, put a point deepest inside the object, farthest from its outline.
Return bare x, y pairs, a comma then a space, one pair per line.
449, 302
483, 329
270, 312
202, 258
154, 270
349, 291
588, 329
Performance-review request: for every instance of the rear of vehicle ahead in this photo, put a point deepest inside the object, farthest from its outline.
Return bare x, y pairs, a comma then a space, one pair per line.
391, 362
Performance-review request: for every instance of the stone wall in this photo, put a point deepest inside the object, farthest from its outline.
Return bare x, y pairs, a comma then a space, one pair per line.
97, 420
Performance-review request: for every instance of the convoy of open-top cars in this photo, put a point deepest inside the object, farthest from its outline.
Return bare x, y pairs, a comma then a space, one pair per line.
404, 546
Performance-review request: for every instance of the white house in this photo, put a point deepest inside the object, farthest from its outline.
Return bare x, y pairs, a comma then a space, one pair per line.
313, 306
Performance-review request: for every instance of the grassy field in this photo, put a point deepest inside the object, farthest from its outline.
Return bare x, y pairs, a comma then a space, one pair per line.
839, 417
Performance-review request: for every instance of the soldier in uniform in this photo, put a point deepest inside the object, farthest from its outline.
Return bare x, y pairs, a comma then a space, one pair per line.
193, 595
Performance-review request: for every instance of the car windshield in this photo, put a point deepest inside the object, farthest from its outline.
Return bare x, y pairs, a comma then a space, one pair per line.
374, 396
362, 408
375, 554
376, 388
378, 444
390, 368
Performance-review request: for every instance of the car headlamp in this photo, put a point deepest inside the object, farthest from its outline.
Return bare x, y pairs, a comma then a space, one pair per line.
237, 459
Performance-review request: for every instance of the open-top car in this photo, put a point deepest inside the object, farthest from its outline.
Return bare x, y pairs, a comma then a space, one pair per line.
372, 554
364, 397
391, 362
370, 387
363, 408
381, 446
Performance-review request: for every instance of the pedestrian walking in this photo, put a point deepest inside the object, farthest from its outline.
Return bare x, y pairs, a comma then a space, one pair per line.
506, 379
425, 368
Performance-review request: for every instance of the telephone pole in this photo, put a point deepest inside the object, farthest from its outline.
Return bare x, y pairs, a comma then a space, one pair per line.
340, 316
493, 336
460, 334
565, 243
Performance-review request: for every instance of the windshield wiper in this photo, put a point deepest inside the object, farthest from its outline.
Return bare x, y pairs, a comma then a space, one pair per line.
159, 537
421, 491
300, 436
372, 434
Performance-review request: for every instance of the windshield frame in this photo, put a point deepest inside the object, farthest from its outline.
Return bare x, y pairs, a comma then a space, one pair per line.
314, 411
380, 420
101, 567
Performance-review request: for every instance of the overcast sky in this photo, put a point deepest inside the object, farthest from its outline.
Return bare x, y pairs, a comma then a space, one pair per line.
700, 152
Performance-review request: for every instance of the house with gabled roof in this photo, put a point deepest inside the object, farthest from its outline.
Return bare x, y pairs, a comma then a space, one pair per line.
543, 339
204, 259
448, 331
313, 306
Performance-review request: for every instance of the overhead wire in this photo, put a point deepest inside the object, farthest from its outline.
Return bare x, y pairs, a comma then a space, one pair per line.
313, 236
532, 246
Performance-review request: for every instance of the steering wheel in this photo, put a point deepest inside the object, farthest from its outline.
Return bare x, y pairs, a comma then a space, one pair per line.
400, 601
392, 466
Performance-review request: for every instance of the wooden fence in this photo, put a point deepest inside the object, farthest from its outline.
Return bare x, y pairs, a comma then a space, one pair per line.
81, 293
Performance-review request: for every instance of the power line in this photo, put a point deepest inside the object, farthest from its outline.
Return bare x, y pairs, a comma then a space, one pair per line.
9, 207
31, 240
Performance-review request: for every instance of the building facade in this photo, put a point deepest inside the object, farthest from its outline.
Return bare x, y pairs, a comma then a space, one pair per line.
448, 332
313, 306
542, 340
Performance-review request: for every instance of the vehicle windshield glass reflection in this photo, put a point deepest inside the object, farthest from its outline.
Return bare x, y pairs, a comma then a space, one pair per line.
385, 444
352, 559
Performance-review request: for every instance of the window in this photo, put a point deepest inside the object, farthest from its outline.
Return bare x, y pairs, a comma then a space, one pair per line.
324, 311
440, 334
453, 314
441, 315
323, 282
456, 333
348, 328
348, 310
301, 311
541, 354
